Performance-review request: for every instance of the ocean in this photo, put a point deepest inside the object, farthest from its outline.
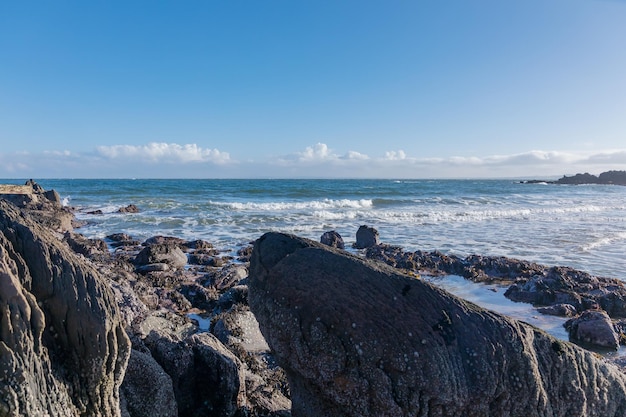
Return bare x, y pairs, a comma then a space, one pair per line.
582, 226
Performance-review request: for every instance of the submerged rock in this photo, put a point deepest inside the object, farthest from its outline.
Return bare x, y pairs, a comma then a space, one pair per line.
357, 338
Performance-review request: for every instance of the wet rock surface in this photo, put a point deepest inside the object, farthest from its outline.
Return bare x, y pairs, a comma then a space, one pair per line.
357, 338
532, 283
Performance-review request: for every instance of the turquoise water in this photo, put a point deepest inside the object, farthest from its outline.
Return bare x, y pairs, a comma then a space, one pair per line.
578, 226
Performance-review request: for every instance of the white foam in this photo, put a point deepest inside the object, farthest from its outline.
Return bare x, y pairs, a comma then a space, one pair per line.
604, 241
296, 205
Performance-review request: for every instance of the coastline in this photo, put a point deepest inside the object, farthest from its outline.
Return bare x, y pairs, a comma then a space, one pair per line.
160, 283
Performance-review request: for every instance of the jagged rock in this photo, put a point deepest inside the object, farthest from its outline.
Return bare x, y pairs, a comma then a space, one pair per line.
357, 338
131, 208
366, 237
562, 285
147, 389
199, 296
43, 206
204, 257
229, 276
90, 248
235, 295
130, 305
332, 239
243, 254
593, 329
613, 177
63, 349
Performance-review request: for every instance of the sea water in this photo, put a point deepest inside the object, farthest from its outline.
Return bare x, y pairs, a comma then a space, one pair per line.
581, 226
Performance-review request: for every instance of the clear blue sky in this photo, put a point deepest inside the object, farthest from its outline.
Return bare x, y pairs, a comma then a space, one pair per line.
312, 88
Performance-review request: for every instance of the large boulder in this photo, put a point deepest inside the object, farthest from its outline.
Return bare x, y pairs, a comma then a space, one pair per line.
63, 349
357, 338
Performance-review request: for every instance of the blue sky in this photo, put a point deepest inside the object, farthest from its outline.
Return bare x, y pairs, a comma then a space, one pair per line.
412, 89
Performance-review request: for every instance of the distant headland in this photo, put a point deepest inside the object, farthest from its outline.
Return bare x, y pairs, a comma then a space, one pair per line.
608, 177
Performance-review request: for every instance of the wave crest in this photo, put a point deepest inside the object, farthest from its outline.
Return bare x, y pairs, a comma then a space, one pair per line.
326, 204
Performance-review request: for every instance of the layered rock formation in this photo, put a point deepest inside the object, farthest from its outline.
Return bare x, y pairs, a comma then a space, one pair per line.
357, 338
63, 349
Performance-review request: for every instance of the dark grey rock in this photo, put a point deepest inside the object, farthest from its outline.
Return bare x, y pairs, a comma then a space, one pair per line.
332, 239
208, 379
161, 253
366, 237
357, 338
147, 388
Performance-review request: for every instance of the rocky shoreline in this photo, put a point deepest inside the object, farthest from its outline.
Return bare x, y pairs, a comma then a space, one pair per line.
177, 336
605, 178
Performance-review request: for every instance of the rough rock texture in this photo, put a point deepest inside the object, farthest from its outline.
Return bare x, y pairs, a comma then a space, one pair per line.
63, 350
530, 282
358, 338
43, 205
239, 326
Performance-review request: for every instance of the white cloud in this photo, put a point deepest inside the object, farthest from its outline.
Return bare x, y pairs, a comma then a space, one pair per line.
162, 160
164, 152
58, 153
319, 152
395, 155
356, 155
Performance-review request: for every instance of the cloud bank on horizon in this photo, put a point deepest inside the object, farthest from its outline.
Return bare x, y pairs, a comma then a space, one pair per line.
173, 160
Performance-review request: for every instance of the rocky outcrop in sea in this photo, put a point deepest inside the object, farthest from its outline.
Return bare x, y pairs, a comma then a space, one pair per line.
605, 178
